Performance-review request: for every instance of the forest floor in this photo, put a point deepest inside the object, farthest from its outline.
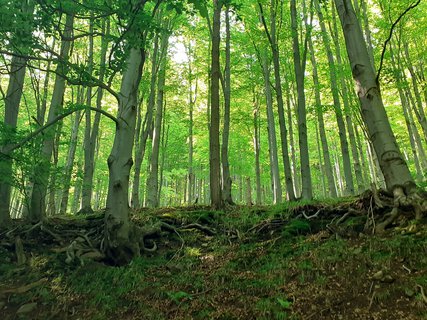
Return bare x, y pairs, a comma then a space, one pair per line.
294, 261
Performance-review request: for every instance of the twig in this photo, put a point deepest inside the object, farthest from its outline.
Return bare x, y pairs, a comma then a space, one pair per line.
391, 34
206, 230
312, 216
422, 293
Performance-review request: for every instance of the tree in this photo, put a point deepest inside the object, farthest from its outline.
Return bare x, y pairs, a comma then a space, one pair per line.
214, 147
396, 173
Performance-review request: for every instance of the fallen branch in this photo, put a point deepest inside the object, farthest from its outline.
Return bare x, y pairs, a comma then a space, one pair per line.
25, 288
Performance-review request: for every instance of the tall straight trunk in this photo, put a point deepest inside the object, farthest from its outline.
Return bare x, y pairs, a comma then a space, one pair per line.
11, 110
119, 246
11, 101
349, 189
321, 165
322, 132
214, 148
70, 162
257, 150
146, 127
226, 179
164, 143
393, 166
272, 38
41, 170
299, 66
52, 193
89, 148
292, 141
191, 101
347, 108
272, 142
152, 199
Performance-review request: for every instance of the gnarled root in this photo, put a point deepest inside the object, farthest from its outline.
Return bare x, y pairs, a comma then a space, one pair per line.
405, 197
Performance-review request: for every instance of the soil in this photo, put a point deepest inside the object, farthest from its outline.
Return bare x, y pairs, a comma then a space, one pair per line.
248, 263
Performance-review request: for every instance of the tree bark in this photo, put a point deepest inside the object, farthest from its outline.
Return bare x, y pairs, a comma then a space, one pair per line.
214, 147
349, 189
146, 127
119, 245
322, 132
152, 199
272, 142
393, 166
226, 179
11, 103
41, 171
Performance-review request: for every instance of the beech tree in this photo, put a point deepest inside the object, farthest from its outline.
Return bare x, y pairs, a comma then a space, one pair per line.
396, 173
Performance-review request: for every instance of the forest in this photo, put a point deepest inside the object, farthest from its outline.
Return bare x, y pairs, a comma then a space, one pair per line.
220, 159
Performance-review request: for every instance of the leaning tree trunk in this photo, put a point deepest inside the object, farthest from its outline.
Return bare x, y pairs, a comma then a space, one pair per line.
398, 179
119, 245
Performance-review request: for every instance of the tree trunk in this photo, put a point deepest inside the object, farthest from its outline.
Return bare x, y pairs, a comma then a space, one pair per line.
146, 127
306, 192
272, 143
214, 148
11, 103
152, 199
257, 151
119, 245
41, 171
322, 132
349, 190
393, 166
89, 147
279, 97
226, 179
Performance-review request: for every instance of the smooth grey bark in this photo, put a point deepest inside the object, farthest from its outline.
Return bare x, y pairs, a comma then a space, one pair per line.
393, 166
12, 101
257, 149
321, 165
226, 179
89, 148
272, 142
349, 189
152, 187
119, 245
347, 109
299, 66
191, 102
146, 126
42, 168
272, 38
332, 190
214, 147
69, 164
293, 159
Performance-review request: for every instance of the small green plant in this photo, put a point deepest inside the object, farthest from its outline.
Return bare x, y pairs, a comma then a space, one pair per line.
179, 296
